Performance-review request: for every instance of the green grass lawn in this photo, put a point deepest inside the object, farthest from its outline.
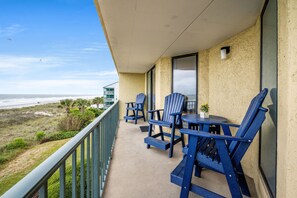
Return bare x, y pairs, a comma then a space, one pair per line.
16, 169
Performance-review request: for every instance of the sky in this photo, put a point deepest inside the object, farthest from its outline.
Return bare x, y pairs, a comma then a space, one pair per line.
53, 47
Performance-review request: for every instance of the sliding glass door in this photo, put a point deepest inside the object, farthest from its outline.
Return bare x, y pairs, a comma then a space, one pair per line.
184, 79
269, 68
151, 90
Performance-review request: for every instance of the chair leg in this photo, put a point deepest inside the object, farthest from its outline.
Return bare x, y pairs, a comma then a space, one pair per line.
127, 113
172, 141
198, 170
143, 116
149, 134
161, 131
136, 117
242, 182
228, 169
185, 188
182, 139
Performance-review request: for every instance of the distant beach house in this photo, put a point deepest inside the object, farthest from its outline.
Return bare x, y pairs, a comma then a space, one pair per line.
110, 93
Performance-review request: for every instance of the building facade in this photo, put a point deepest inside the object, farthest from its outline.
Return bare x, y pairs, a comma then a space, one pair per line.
181, 42
110, 94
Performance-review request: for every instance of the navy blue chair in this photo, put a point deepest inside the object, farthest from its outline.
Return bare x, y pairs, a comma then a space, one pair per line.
171, 118
220, 153
135, 107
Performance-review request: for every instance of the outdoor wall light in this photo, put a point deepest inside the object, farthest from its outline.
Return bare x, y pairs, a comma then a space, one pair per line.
224, 52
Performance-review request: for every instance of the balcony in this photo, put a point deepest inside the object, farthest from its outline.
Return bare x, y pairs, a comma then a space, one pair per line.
123, 168
108, 92
136, 171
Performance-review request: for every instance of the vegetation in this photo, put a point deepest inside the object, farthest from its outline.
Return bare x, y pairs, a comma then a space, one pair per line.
40, 135
97, 101
66, 104
12, 149
204, 108
24, 129
82, 104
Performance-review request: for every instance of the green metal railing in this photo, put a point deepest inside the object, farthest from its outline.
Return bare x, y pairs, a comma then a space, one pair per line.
94, 144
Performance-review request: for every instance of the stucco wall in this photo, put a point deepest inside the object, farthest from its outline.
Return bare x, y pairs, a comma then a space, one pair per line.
203, 78
287, 99
235, 81
163, 80
129, 86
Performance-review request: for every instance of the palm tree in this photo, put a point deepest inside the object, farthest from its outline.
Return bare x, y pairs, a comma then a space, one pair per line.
66, 104
82, 104
97, 101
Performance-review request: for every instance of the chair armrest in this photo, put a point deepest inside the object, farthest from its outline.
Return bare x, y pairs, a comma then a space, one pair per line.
230, 125
129, 102
176, 114
214, 136
156, 110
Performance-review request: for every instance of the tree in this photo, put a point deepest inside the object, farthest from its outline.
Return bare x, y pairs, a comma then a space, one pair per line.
66, 104
98, 100
82, 104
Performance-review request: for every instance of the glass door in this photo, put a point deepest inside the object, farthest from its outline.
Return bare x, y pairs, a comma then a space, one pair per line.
184, 79
151, 90
269, 66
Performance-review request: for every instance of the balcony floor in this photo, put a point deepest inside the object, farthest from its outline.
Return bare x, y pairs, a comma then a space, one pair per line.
140, 172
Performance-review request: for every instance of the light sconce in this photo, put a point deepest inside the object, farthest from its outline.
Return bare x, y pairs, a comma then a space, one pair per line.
224, 52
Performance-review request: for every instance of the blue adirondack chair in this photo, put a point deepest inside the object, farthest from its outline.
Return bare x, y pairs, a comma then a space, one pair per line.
171, 118
135, 107
220, 153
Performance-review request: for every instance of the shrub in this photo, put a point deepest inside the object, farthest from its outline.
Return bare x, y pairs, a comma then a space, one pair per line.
16, 143
40, 135
87, 117
62, 135
96, 111
71, 123
76, 120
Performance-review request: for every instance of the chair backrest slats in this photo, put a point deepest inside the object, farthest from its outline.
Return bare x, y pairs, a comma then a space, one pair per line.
140, 98
249, 117
173, 104
242, 147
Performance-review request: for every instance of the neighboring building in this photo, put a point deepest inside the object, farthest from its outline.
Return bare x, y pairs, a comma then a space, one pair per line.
110, 94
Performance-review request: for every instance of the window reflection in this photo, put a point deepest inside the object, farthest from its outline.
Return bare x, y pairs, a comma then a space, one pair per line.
185, 80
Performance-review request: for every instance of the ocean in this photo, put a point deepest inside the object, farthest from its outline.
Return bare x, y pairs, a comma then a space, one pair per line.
10, 101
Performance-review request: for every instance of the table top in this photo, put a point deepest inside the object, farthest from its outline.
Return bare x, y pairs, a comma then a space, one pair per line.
196, 119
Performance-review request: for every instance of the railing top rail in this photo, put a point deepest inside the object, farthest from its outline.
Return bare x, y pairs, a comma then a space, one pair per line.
35, 179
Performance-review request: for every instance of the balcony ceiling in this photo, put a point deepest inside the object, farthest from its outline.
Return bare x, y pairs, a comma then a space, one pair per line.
139, 32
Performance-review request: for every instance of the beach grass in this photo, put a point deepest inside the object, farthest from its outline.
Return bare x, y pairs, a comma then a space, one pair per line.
16, 169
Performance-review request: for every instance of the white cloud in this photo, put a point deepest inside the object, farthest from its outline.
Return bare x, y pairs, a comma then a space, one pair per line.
11, 30
69, 86
11, 63
98, 75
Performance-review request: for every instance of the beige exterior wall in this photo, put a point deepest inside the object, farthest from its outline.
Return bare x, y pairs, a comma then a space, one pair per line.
129, 86
203, 78
229, 85
235, 81
163, 80
287, 99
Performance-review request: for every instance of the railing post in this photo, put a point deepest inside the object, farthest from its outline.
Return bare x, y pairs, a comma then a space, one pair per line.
43, 191
62, 180
82, 169
74, 195
88, 167
96, 185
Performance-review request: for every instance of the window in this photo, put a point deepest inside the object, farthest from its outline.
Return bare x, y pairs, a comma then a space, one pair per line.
184, 79
269, 66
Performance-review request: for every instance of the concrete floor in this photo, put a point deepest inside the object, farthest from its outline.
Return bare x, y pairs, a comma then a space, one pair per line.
138, 172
